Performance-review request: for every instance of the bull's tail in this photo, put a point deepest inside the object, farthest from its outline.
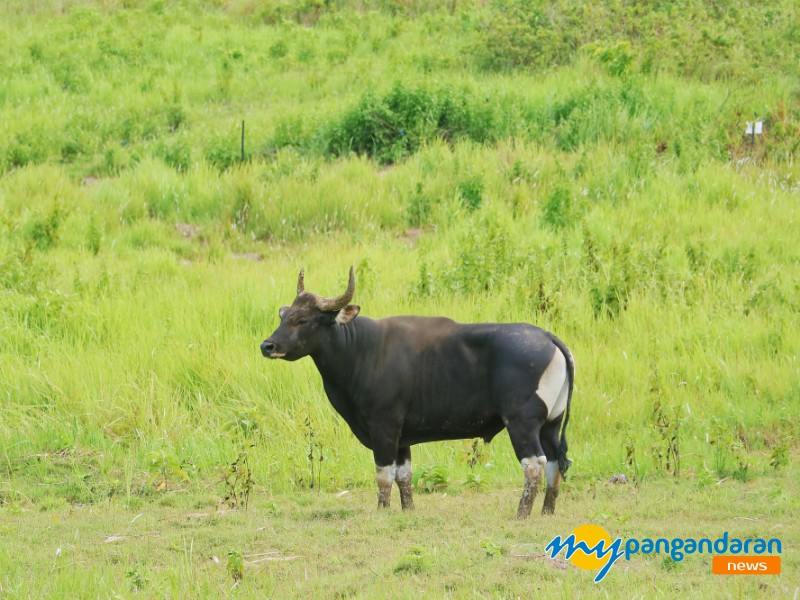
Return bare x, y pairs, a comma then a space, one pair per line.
564, 462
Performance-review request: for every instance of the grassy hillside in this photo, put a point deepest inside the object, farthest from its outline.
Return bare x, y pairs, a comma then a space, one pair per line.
584, 169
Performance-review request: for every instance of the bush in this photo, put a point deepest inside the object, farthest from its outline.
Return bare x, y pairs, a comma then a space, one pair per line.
394, 126
521, 33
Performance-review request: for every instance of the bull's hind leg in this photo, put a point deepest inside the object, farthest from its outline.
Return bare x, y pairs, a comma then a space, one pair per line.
549, 438
532, 467
524, 434
403, 478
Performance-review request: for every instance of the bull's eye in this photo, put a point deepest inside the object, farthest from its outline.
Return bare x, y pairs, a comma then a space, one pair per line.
302, 321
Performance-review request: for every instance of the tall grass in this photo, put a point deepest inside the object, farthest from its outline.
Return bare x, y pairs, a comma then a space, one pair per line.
142, 262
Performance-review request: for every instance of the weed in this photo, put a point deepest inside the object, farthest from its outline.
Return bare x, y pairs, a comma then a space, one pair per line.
93, 236
471, 192
730, 456
669, 564
419, 207
136, 582
43, 231
431, 478
474, 452
485, 259
426, 283
235, 565
166, 466
315, 456
779, 456
631, 464
415, 560
238, 482
245, 422
475, 482
557, 211
493, 550
616, 57
666, 451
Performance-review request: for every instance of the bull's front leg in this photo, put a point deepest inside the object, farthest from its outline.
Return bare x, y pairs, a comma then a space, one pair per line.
403, 478
384, 449
384, 477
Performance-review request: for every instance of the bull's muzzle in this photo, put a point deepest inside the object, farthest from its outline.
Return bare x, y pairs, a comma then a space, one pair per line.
268, 349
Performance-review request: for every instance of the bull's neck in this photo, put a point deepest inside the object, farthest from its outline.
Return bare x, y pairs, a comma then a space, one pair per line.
336, 359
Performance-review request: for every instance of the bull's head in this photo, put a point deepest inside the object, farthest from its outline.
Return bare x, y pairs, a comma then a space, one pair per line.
303, 324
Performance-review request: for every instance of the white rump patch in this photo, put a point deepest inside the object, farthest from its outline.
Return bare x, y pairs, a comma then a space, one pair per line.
554, 386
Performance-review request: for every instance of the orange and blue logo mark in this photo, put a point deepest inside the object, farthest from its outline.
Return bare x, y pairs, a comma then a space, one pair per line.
590, 547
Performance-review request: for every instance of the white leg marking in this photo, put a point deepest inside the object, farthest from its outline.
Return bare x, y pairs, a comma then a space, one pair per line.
553, 385
532, 467
404, 471
552, 473
385, 475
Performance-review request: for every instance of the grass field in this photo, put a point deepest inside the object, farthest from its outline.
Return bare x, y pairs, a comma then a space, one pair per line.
583, 168
309, 544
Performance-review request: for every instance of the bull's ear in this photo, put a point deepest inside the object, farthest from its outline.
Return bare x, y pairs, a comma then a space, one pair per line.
282, 311
347, 314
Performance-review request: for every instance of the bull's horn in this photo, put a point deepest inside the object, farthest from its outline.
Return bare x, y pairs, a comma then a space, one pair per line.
338, 303
300, 286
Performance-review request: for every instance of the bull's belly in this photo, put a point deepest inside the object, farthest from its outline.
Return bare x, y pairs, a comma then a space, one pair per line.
485, 428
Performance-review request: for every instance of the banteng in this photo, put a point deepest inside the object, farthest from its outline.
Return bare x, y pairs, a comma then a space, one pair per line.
401, 381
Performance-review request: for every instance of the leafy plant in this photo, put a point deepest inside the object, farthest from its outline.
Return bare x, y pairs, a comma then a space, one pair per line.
431, 478
415, 560
493, 550
779, 456
136, 581
166, 466
474, 482
235, 565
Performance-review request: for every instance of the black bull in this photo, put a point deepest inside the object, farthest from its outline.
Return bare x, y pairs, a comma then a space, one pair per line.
401, 381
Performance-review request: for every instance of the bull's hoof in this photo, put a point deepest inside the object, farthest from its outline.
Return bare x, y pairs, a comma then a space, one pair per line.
406, 495
524, 511
384, 495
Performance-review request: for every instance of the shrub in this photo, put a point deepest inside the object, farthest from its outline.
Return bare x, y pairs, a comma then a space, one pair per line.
485, 260
522, 33
470, 191
392, 127
557, 209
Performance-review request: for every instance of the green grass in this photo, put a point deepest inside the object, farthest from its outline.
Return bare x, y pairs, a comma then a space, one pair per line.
456, 546
591, 178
